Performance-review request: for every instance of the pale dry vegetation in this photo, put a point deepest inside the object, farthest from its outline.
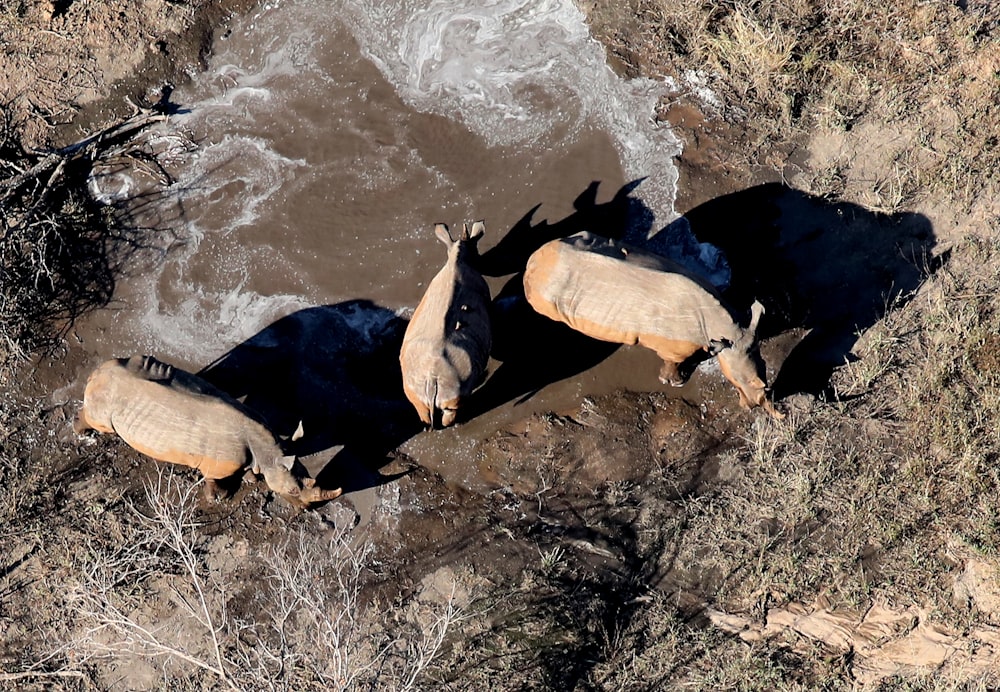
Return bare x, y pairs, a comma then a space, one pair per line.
143, 588
923, 72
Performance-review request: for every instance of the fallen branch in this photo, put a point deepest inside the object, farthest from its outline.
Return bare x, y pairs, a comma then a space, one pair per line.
9, 677
89, 145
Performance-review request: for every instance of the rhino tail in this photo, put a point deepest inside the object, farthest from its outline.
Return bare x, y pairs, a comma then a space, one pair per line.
432, 399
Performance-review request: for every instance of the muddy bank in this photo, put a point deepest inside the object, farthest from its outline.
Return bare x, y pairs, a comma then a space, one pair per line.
74, 67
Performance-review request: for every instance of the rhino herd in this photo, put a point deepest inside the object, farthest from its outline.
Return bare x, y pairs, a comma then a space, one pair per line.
607, 290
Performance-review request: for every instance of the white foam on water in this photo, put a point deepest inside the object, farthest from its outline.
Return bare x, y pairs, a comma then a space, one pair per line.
518, 73
256, 173
206, 324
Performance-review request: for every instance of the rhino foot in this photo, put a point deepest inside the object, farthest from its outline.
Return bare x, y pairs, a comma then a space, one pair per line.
216, 491
670, 373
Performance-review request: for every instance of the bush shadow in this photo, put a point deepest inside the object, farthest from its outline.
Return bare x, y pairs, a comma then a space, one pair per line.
832, 269
335, 369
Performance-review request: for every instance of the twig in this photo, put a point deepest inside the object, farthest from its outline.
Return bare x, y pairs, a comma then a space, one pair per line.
7, 677
53, 158
40, 200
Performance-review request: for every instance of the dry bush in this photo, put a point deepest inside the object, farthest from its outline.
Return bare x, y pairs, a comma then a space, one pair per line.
60, 249
142, 596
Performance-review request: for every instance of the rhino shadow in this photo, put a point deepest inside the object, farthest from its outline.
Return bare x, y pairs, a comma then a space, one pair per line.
833, 269
335, 368
620, 216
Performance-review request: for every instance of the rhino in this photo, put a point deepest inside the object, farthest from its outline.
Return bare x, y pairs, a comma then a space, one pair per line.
447, 343
172, 415
619, 293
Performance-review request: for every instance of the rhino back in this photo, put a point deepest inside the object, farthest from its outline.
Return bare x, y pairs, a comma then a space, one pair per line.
450, 329
170, 422
603, 294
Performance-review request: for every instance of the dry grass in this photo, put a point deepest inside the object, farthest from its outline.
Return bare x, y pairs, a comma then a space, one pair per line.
142, 591
787, 69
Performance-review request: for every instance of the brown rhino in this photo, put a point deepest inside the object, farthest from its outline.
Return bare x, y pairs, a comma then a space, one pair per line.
172, 415
447, 343
622, 294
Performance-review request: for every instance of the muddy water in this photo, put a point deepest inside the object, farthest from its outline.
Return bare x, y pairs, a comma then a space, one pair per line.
331, 136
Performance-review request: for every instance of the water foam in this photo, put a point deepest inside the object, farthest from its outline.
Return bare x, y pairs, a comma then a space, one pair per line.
207, 323
517, 72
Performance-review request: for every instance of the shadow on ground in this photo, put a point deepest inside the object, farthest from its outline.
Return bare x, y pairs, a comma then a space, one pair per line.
833, 269
335, 368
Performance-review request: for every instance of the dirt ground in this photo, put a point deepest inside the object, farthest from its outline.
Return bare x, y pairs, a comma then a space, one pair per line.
640, 541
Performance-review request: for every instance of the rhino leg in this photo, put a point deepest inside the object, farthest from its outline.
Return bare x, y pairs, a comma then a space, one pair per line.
213, 491
670, 373
80, 424
219, 489
673, 353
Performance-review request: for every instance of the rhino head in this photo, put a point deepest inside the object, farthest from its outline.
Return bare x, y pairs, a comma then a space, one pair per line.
298, 490
742, 365
467, 242
285, 476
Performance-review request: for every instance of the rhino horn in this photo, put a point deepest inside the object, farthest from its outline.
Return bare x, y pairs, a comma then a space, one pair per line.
310, 494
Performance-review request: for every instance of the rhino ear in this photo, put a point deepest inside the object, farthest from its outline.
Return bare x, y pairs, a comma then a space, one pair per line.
756, 310
299, 433
717, 346
441, 231
478, 229
287, 462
